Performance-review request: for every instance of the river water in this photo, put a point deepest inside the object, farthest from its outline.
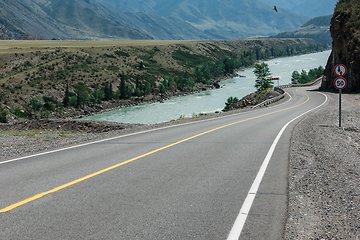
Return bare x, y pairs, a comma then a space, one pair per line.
212, 100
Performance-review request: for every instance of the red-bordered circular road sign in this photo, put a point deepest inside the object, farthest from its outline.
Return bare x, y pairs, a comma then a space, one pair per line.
340, 83
340, 70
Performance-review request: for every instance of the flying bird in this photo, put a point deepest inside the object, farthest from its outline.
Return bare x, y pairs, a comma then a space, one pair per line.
275, 8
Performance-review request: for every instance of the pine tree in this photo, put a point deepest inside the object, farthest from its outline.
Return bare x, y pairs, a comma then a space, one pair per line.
262, 73
66, 98
295, 77
122, 87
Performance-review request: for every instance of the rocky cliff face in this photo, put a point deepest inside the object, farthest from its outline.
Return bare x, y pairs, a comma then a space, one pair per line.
345, 33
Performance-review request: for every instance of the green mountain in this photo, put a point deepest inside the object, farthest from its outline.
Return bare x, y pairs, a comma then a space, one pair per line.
317, 29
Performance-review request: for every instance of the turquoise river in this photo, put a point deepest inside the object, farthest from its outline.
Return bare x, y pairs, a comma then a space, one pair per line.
212, 100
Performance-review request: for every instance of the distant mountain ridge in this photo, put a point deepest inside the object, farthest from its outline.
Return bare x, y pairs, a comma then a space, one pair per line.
17, 19
221, 19
140, 19
61, 19
317, 29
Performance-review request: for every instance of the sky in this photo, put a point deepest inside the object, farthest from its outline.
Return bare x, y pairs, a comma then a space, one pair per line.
310, 8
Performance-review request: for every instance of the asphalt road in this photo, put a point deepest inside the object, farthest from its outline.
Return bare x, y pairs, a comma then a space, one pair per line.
185, 181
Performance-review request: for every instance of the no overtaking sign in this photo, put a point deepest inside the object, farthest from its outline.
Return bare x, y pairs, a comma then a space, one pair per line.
340, 70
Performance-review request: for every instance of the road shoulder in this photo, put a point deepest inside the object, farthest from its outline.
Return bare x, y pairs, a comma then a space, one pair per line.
324, 190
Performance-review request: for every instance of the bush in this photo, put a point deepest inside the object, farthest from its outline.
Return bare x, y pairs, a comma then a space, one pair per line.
112, 68
230, 101
121, 53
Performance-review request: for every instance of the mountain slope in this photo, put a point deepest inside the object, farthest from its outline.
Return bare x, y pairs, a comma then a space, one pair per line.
131, 6
63, 19
158, 27
226, 19
87, 19
18, 18
163, 19
317, 29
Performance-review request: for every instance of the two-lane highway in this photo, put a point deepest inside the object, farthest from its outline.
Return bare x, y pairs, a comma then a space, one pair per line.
185, 181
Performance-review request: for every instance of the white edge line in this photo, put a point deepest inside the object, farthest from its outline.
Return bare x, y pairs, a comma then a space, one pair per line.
245, 209
127, 135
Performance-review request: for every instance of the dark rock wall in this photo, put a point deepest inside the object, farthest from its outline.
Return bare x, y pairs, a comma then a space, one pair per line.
344, 51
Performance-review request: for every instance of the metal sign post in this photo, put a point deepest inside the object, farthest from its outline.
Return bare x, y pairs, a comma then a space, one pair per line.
340, 83
339, 107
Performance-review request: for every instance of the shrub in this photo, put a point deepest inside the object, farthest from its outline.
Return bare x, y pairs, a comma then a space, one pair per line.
121, 53
230, 101
191, 60
109, 55
112, 68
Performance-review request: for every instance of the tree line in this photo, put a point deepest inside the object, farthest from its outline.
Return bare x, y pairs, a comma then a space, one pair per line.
306, 77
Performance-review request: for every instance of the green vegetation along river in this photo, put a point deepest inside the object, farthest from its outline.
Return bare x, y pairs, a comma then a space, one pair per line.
212, 100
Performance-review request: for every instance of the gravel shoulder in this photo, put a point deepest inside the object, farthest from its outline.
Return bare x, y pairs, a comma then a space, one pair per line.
324, 180
324, 163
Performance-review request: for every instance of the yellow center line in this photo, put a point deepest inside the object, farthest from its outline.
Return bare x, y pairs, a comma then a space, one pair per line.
6, 209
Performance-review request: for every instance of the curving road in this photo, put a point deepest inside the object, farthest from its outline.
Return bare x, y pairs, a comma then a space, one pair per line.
185, 181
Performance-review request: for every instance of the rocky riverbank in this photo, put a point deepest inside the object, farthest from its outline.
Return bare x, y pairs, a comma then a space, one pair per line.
105, 106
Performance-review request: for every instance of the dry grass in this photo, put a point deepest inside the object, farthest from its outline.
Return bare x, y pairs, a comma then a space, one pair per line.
22, 46
32, 133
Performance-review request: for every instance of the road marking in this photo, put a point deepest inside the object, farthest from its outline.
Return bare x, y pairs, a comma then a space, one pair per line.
245, 209
8, 208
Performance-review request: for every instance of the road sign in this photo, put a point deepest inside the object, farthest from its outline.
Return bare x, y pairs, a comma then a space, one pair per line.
340, 83
274, 78
340, 70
